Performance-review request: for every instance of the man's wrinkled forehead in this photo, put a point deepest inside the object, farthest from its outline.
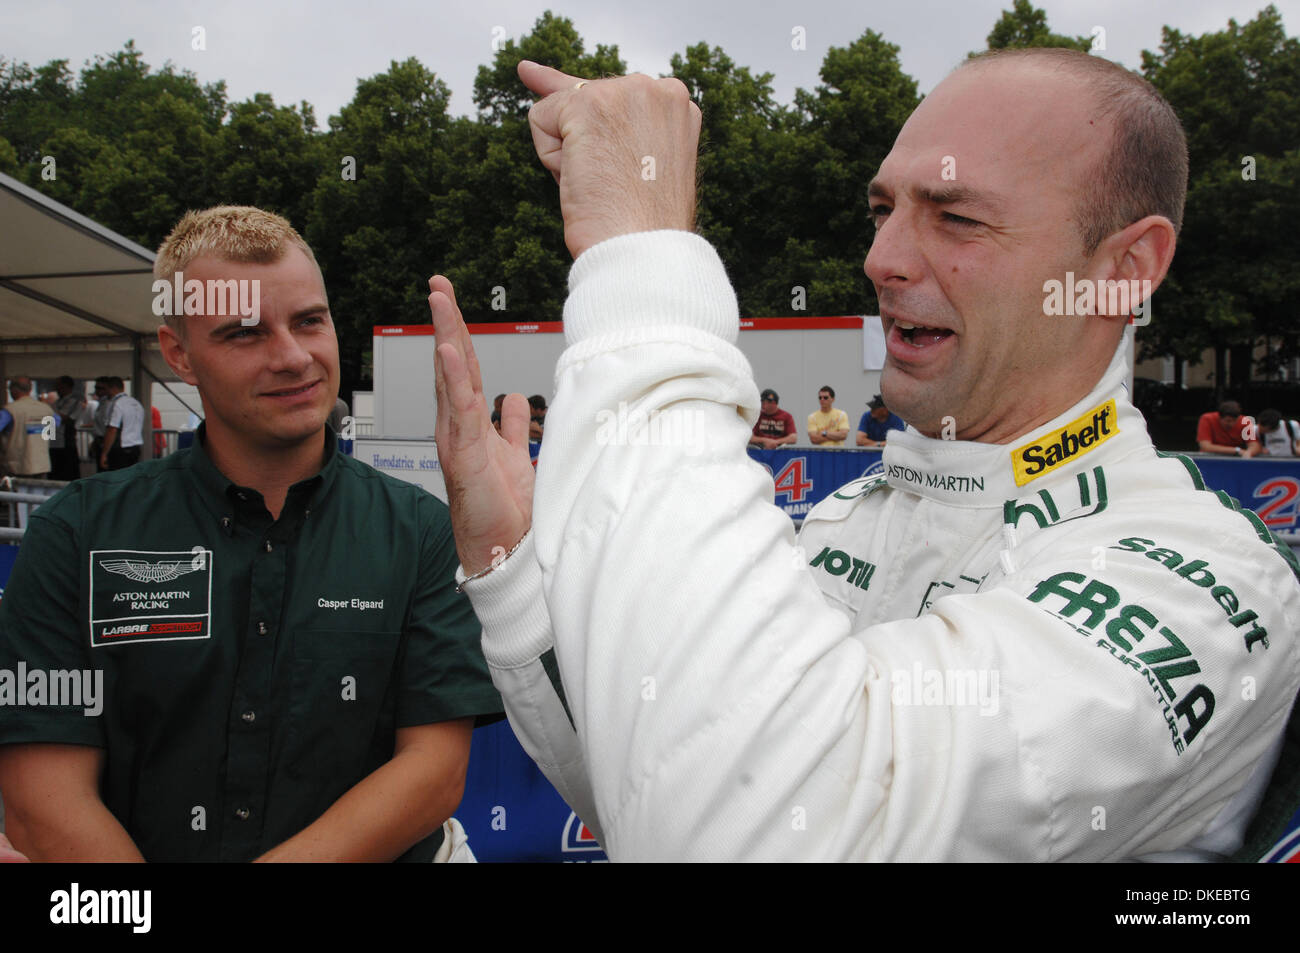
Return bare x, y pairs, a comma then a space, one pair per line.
992, 131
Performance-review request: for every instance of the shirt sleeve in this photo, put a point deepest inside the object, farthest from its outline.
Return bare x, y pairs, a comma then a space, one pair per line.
443, 673
6, 419
862, 423
116, 413
42, 631
520, 651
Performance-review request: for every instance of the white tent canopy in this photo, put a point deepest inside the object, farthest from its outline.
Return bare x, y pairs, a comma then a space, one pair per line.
75, 297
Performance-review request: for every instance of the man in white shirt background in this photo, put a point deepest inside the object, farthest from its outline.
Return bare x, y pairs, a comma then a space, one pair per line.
1279, 436
123, 431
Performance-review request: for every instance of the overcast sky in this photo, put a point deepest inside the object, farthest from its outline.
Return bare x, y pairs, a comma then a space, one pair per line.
316, 51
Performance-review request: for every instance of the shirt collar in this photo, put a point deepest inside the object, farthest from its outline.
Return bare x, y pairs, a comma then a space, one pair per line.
228, 499
966, 473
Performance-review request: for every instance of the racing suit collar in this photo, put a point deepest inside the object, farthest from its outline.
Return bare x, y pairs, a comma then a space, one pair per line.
969, 474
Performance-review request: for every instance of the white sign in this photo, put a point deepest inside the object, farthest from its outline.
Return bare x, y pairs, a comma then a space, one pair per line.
415, 461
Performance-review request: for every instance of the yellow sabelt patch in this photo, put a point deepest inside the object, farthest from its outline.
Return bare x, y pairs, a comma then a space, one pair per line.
1052, 450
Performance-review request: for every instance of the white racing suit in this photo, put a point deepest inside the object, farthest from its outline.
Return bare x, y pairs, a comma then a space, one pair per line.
1059, 648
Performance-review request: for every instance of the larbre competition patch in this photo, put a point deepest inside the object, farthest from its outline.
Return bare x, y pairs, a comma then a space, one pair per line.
149, 596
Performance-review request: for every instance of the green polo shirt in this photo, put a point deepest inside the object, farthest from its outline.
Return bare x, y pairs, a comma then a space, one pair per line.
253, 670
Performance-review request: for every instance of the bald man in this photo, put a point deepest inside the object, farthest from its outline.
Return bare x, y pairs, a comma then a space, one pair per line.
1025, 643
28, 426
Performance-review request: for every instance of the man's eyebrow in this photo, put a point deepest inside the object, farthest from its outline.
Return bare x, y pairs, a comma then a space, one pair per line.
229, 325
235, 321
952, 194
310, 311
941, 195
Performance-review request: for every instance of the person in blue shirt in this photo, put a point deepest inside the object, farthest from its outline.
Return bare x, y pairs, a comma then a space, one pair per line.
876, 424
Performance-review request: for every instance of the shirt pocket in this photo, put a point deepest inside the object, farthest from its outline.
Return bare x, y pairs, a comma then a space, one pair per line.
340, 707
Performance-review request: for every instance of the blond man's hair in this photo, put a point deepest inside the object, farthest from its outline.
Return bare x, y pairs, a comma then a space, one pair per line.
238, 233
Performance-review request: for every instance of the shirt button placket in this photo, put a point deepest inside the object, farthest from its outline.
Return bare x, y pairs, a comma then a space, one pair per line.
250, 736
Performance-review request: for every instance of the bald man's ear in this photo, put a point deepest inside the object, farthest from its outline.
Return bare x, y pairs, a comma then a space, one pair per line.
1141, 252
175, 354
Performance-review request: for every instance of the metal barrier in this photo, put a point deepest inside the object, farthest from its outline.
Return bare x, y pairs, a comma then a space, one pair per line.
19, 497
165, 442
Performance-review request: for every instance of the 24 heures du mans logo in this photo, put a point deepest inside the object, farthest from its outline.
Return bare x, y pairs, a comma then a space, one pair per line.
149, 596
1059, 447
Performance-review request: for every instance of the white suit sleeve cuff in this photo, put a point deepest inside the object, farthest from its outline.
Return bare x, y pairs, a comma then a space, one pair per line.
510, 604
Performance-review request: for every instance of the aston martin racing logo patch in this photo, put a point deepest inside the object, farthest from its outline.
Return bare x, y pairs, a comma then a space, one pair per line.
1055, 449
149, 596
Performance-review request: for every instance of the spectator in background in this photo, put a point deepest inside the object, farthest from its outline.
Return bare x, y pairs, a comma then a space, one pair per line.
497, 401
23, 423
828, 426
99, 424
1225, 432
68, 405
876, 423
123, 428
775, 426
159, 438
1281, 438
537, 411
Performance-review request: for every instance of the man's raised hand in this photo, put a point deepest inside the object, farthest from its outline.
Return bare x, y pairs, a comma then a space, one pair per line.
7, 853
489, 475
623, 151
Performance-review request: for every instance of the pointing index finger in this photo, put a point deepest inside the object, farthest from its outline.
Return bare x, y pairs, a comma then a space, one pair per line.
543, 80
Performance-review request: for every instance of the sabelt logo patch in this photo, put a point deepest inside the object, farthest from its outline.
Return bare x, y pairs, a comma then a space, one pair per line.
1052, 450
149, 596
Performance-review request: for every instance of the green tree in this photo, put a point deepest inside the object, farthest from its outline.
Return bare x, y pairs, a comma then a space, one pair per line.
129, 145
1025, 25
1233, 280
740, 140
34, 104
554, 42
832, 147
382, 161
269, 156
499, 210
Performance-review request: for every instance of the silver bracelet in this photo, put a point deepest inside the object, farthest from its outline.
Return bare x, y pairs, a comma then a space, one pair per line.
496, 561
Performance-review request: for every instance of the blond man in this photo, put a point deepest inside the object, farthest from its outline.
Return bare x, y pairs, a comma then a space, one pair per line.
281, 664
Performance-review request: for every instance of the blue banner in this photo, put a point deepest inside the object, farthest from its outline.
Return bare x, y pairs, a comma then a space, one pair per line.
1268, 485
806, 476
